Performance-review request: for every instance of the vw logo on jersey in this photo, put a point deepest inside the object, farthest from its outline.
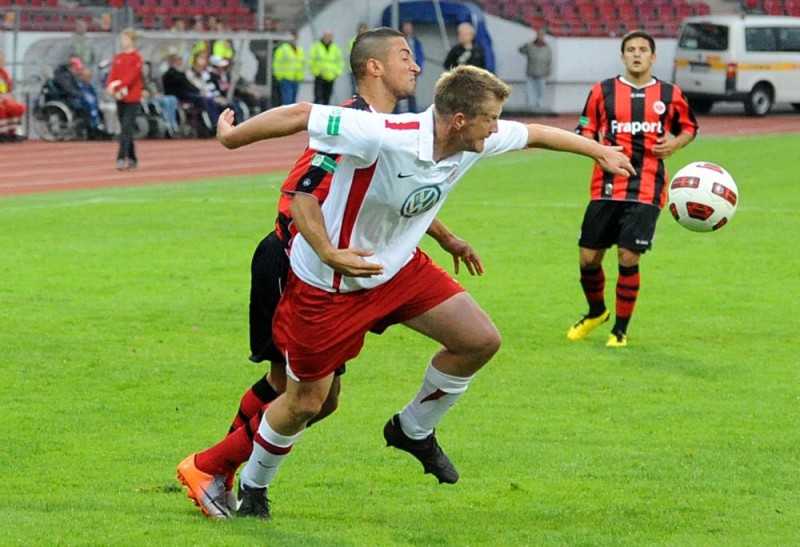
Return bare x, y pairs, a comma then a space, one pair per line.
420, 200
659, 107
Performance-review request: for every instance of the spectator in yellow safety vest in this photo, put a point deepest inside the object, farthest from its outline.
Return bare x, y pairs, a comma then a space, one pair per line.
289, 67
327, 64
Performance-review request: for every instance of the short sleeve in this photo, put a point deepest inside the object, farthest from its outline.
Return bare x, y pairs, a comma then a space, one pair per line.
510, 136
354, 133
683, 120
589, 122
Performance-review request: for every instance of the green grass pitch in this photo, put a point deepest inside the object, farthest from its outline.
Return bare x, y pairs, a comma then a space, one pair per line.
123, 339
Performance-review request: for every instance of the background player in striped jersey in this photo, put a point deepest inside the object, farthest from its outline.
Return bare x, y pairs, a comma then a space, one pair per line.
385, 72
355, 264
650, 119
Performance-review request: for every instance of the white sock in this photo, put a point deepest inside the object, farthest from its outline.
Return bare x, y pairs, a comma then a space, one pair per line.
438, 393
269, 450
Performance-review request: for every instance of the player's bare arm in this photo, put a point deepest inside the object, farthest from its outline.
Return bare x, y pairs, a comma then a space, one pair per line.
307, 216
460, 249
609, 158
666, 145
274, 123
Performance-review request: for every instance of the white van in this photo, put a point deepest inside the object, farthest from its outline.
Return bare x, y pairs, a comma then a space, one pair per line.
753, 59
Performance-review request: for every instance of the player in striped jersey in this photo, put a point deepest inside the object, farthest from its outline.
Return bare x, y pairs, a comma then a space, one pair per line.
650, 119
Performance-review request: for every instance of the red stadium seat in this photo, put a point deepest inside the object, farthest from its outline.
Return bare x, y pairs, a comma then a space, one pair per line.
606, 12
701, 8
626, 12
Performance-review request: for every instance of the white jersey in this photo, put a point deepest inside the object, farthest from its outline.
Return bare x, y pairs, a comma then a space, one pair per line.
387, 188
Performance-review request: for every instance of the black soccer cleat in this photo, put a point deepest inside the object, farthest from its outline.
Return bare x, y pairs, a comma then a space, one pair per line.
427, 451
253, 502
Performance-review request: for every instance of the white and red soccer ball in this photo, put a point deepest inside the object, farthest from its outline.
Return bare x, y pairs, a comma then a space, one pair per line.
702, 197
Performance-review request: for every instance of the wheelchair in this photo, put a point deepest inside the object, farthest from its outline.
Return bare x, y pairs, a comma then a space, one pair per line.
55, 119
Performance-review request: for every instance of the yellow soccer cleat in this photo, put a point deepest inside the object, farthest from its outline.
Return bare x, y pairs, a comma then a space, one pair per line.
582, 328
617, 340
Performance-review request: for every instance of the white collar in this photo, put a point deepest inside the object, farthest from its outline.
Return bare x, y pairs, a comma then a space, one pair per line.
427, 131
426, 134
648, 84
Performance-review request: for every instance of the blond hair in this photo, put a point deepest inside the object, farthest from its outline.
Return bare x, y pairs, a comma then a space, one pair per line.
130, 32
465, 89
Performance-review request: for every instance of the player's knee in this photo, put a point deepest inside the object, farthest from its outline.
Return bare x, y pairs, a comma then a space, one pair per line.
328, 407
491, 343
305, 409
483, 343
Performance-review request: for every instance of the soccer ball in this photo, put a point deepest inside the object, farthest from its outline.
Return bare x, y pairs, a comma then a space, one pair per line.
702, 197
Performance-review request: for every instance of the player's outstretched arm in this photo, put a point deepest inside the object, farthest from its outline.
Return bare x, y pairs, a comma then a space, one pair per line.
610, 158
275, 122
460, 249
307, 216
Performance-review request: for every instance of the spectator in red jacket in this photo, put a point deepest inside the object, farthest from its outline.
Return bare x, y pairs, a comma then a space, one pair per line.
125, 84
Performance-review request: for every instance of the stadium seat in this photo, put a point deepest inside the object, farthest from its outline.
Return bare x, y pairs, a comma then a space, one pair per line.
701, 8
529, 12
606, 12
626, 12
586, 11
567, 11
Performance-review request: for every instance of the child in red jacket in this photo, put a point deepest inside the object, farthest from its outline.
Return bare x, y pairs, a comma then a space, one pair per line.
125, 84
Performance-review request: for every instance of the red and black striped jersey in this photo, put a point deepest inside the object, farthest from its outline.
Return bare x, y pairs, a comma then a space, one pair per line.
620, 114
311, 174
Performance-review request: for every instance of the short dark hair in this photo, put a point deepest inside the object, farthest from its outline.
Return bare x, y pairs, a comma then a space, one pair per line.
371, 44
638, 34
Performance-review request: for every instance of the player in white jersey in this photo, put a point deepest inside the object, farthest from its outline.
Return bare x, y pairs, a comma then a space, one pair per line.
386, 191
356, 266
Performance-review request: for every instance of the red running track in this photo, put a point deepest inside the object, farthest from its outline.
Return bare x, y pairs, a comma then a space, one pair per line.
36, 166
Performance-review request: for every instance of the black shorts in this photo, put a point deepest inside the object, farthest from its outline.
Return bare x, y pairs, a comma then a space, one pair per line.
268, 271
627, 224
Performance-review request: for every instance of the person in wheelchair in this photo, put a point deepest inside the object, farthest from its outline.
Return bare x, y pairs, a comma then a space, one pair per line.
68, 86
96, 129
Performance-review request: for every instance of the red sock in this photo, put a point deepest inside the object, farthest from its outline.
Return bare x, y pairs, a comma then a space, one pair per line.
593, 283
627, 292
225, 457
254, 399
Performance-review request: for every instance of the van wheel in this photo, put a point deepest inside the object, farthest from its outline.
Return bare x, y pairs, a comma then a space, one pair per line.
701, 106
796, 106
759, 101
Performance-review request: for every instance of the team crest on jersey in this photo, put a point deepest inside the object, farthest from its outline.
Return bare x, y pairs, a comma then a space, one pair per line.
452, 175
420, 201
659, 107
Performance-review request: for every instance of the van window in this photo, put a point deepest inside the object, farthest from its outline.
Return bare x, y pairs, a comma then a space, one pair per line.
789, 38
704, 36
760, 39
772, 38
